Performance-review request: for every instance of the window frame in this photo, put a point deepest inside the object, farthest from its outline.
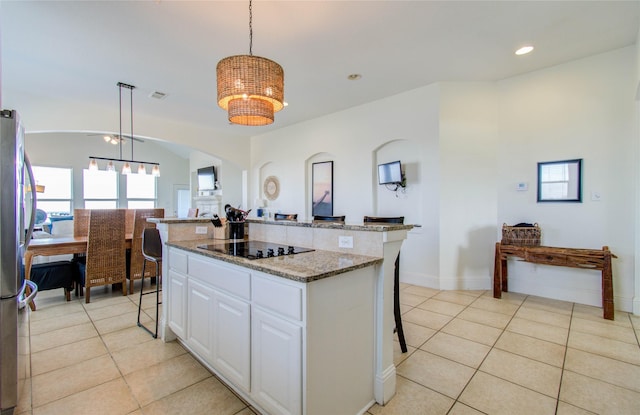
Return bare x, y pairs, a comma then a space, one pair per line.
138, 199
44, 200
93, 200
572, 181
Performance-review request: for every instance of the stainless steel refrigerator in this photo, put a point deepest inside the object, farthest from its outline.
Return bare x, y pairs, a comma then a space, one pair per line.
16, 227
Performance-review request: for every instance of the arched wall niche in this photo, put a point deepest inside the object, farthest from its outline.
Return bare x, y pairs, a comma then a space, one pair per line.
266, 169
406, 201
273, 187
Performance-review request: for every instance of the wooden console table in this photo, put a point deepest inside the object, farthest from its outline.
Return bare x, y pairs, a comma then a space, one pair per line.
565, 257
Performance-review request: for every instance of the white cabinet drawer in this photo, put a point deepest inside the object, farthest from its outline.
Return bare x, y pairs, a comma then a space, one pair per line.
178, 260
231, 279
282, 298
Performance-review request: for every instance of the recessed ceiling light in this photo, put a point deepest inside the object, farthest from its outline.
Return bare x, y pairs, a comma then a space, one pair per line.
524, 50
354, 77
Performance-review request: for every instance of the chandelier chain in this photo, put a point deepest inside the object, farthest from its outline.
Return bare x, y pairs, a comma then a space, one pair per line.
250, 29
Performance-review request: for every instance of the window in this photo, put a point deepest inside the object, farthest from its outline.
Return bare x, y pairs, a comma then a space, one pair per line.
100, 189
57, 183
560, 181
141, 191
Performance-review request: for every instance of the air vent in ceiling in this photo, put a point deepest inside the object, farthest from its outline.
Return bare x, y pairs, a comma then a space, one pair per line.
157, 95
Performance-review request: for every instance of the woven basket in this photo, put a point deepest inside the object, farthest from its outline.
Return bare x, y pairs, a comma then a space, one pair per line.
521, 235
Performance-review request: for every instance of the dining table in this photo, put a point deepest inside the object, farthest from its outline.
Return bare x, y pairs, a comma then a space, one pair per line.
58, 246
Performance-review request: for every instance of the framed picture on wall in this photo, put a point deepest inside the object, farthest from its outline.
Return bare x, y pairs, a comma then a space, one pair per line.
322, 188
560, 181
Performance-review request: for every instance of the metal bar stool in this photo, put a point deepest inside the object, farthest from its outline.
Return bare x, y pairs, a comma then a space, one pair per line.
151, 251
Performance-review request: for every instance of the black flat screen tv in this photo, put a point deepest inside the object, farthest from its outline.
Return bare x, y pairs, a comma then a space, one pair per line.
390, 173
207, 178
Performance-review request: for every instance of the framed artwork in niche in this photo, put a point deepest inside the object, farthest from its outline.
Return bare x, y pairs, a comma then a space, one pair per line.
322, 188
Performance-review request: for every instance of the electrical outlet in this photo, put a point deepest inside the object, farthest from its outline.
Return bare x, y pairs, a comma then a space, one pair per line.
201, 230
345, 241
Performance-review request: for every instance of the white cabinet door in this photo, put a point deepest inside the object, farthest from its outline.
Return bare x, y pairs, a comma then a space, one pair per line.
200, 304
231, 336
178, 304
276, 363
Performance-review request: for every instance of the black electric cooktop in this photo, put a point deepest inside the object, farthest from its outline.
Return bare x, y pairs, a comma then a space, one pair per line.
254, 249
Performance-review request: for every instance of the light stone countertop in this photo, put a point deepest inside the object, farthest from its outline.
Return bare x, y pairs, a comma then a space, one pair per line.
373, 226
180, 220
304, 267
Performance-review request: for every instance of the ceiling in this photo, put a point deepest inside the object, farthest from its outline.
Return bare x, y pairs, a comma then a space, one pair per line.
80, 50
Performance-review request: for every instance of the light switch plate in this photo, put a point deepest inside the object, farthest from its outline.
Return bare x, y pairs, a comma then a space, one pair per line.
201, 230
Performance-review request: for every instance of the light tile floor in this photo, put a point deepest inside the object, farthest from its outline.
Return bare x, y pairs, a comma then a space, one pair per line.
468, 354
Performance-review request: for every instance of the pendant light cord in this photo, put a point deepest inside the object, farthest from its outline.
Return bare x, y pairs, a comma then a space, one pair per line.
93, 165
120, 104
250, 29
130, 88
131, 107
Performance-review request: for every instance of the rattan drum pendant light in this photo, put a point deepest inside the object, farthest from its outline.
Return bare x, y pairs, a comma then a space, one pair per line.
250, 88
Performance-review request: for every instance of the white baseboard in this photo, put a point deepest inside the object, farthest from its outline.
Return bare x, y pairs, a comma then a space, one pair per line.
430, 281
527, 286
421, 280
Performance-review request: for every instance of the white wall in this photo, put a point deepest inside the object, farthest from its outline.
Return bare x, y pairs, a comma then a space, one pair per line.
636, 151
475, 141
58, 114
583, 109
403, 127
228, 174
73, 150
44, 115
468, 176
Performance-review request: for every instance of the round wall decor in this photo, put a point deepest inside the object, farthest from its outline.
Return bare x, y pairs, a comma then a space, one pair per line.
271, 188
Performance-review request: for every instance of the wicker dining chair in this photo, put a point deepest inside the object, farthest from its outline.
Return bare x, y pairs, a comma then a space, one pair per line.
128, 220
106, 262
81, 222
137, 259
396, 279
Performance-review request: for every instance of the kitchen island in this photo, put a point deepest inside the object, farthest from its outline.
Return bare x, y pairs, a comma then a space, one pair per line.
310, 333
